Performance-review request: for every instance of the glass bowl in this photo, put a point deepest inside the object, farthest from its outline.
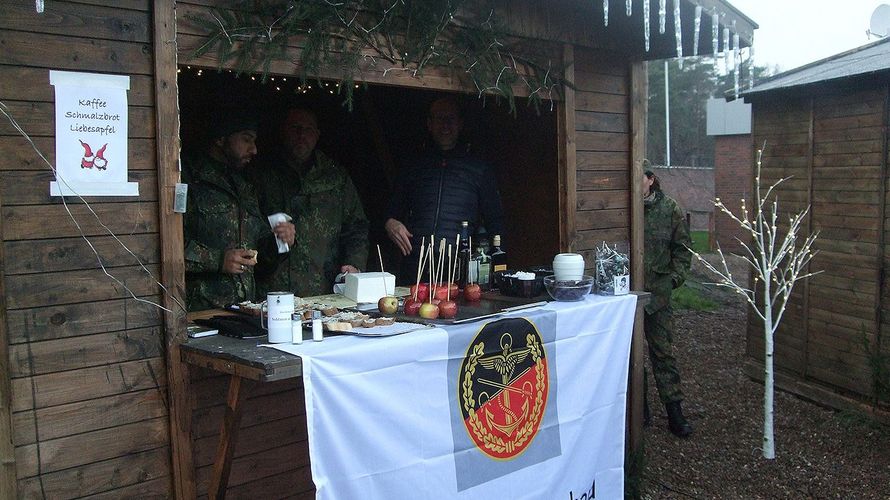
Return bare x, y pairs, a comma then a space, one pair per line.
515, 287
570, 290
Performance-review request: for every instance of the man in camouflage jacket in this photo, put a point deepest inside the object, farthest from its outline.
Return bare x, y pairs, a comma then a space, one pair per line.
667, 260
331, 227
223, 228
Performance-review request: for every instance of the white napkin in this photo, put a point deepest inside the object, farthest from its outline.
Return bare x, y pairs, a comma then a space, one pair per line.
274, 220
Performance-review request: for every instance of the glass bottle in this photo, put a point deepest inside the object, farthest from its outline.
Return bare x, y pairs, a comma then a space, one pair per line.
498, 259
464, 257
483, 267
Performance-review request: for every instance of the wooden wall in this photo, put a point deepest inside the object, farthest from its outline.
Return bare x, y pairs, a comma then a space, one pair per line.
833, 141
602, 149
86, 363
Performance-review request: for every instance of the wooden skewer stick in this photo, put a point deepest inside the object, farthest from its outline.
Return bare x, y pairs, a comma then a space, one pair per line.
380, 256
448, 293
441, 260
382, 276
457, 248
419, 267
430, 252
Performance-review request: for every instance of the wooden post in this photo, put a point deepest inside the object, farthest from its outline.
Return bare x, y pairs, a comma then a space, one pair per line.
8, 486
568, 189
172, 249
879, 340
811, 146
639, 101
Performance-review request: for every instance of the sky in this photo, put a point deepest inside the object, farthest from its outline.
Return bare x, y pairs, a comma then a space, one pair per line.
796, 32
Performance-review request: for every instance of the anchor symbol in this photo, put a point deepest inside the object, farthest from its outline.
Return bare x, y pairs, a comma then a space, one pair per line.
505, 364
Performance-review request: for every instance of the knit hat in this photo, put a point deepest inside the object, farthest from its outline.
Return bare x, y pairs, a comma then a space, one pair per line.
229, 120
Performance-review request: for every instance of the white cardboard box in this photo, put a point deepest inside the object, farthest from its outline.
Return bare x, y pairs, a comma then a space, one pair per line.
369, 287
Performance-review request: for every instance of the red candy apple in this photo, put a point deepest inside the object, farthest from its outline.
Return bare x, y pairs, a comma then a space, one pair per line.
412, 307
422, 290
472, 292
447, 309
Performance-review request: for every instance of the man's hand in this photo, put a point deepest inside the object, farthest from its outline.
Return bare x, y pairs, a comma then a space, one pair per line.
349, 268
399, 235
286, 232
238, 260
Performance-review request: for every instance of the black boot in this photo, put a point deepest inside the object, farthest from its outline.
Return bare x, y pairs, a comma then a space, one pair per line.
676, 421
647, 414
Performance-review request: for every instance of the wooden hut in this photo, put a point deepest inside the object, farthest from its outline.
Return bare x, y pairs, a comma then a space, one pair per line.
95, 401
825, 126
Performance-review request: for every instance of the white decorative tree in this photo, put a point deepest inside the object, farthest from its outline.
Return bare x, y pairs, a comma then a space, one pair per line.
778, 263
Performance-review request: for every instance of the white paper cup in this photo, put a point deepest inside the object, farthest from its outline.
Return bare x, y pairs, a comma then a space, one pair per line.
568, 267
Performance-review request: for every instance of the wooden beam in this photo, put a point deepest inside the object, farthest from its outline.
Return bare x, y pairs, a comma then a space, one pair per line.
880, 339
228, 436
811, 145
568, 189
172, 250
639, 100
7, 448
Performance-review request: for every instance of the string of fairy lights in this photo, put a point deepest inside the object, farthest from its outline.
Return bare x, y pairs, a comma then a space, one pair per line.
278, 83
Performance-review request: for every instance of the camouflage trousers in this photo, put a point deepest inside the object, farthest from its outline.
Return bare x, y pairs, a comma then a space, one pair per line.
659, 328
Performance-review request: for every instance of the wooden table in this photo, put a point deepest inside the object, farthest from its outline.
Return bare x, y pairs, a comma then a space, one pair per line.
246, 363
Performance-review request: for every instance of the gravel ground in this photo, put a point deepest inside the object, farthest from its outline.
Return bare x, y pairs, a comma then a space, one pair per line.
820, 453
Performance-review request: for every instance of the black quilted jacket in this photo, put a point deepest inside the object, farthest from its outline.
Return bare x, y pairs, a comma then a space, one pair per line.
434, 193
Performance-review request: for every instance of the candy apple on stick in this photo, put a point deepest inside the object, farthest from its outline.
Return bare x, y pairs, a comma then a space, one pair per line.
429, 310
412, 305
448, 307
387, 304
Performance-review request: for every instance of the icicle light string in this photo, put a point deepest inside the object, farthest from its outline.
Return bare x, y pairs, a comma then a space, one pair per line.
737, 62
5, 110
715, 36
697, 31
726, 54
751, 64
629, 6
678, 33
646, 34
605, 12
662, 15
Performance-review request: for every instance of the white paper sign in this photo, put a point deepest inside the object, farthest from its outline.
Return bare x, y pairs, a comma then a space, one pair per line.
91, 135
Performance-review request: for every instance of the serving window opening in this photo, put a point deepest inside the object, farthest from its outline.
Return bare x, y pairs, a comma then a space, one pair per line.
385, 127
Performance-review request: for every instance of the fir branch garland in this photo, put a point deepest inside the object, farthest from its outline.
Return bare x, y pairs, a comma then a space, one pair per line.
355, 36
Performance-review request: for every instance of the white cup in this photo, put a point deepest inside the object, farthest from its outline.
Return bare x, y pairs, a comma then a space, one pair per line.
279, 308
568, 267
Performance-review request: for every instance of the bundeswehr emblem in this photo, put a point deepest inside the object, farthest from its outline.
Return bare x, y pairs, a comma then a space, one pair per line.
503, 387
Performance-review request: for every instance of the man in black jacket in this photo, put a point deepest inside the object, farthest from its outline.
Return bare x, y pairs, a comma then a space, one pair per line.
442, 188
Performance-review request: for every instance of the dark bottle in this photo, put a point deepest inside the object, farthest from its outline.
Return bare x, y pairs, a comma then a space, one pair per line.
498, 259
463, 257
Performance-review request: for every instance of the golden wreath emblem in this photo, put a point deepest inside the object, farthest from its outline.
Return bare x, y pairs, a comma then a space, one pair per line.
503, 392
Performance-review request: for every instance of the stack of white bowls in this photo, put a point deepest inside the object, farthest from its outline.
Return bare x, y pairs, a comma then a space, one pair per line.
568, 267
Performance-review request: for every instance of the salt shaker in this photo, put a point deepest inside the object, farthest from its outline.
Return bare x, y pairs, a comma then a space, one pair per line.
317, 334
296, 328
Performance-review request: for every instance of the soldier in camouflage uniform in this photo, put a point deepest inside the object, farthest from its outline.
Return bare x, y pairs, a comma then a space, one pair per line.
667, 260
223, 228
332, 230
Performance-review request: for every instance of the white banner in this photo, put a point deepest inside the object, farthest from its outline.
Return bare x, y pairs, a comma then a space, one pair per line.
91, 135
528, 406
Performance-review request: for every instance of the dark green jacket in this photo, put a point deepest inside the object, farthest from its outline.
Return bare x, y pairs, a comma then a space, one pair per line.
331, 227
667, 256
222, 214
